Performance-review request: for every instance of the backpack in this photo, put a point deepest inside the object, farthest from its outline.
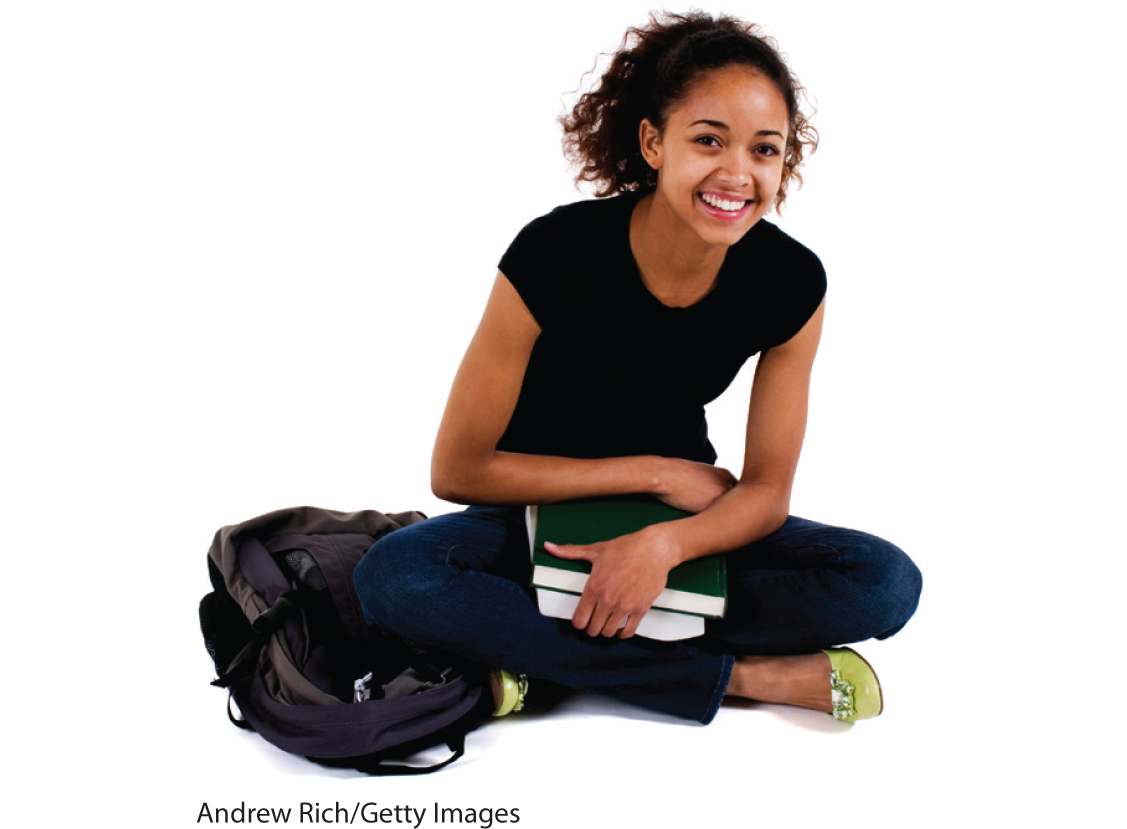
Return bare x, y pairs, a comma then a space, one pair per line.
286, 632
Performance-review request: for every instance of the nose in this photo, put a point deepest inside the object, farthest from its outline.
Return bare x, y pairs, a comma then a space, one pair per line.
737, 167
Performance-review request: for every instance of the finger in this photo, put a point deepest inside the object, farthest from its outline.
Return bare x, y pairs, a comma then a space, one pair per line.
572, 551
583, 612
631, 626
615, 623
598, 621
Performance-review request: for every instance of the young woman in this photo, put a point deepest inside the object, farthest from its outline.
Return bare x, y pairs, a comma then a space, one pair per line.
610, 325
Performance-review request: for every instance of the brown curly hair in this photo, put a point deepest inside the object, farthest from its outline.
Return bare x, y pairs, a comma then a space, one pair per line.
654, 70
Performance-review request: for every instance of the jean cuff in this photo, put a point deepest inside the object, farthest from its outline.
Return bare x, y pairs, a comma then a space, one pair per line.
726, 663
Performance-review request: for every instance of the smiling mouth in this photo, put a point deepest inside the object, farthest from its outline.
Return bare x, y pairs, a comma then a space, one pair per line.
723, 204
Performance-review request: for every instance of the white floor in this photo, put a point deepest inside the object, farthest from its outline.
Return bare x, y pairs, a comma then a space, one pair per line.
997, 713
244, 246
965, 740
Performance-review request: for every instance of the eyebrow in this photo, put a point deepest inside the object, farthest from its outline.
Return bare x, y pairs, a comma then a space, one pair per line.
722, 125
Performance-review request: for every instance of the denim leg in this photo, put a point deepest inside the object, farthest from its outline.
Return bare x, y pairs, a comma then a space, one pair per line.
810, 586
459, 582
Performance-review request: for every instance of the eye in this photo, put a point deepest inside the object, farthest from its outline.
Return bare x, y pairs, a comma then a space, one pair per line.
707, 140
767, 150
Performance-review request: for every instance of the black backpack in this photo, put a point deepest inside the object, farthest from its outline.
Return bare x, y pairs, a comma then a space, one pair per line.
289, 640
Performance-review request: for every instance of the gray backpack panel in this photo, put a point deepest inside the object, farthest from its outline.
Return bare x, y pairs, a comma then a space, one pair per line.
288, 637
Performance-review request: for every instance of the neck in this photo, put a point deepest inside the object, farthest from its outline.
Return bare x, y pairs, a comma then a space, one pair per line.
676, 265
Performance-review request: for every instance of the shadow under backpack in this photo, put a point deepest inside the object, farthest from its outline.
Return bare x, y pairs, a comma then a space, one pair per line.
285, 630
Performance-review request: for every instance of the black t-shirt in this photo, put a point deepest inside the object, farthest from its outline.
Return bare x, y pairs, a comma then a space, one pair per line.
614, 371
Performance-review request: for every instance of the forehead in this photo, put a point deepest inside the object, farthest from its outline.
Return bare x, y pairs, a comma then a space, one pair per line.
735, 95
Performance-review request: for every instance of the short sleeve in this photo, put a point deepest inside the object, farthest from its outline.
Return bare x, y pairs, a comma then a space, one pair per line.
529, 264
811, 291
799, 288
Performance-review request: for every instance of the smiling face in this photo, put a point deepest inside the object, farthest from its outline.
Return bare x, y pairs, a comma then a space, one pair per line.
720, 156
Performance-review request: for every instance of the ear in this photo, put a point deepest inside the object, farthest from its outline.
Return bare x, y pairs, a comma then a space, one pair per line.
649, 137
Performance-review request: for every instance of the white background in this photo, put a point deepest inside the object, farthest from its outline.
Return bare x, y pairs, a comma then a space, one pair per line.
244, 244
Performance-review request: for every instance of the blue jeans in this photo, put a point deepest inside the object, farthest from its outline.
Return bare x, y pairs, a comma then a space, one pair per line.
459, 583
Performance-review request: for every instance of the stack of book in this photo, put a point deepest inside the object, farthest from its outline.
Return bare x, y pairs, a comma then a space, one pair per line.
695, 590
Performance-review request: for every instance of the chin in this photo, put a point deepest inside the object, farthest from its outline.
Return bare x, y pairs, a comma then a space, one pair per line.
727, 235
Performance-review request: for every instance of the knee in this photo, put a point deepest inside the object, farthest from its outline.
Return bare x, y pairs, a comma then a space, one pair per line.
893, 583
388, 580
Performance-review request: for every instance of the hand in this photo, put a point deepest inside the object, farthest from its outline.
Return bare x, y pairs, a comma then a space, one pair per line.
627, 575
692, 486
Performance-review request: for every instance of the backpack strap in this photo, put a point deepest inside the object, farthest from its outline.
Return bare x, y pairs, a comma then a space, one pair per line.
264, 626
377, 766
241, 722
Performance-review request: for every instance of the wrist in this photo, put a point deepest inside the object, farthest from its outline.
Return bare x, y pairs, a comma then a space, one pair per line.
655, 480
665, 544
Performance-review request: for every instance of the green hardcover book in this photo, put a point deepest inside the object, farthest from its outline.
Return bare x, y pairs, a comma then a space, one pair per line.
695, 590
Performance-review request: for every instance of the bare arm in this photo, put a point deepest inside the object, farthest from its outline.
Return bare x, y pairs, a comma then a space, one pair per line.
467, 468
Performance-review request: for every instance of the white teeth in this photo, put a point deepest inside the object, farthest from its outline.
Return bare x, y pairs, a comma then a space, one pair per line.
722, 204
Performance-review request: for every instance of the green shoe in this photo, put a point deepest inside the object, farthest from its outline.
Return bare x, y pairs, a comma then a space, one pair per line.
854, 686
509, 690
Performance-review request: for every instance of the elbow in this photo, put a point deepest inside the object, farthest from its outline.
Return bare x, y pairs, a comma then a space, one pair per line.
446, 486
448, 491
774, 501
443, 490
779, 516
781, 508
458, 483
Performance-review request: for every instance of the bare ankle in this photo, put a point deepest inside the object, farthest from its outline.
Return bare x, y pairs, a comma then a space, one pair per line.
801, 680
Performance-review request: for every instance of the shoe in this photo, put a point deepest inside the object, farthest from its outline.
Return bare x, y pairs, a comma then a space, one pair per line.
509, 690
854, 686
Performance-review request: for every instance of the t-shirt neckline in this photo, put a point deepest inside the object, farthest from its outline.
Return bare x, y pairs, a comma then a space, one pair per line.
636, 272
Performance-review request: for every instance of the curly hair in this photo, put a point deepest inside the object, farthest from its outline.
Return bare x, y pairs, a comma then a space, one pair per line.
654, 70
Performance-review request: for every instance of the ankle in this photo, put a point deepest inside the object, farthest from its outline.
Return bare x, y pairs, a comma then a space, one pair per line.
801, 680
